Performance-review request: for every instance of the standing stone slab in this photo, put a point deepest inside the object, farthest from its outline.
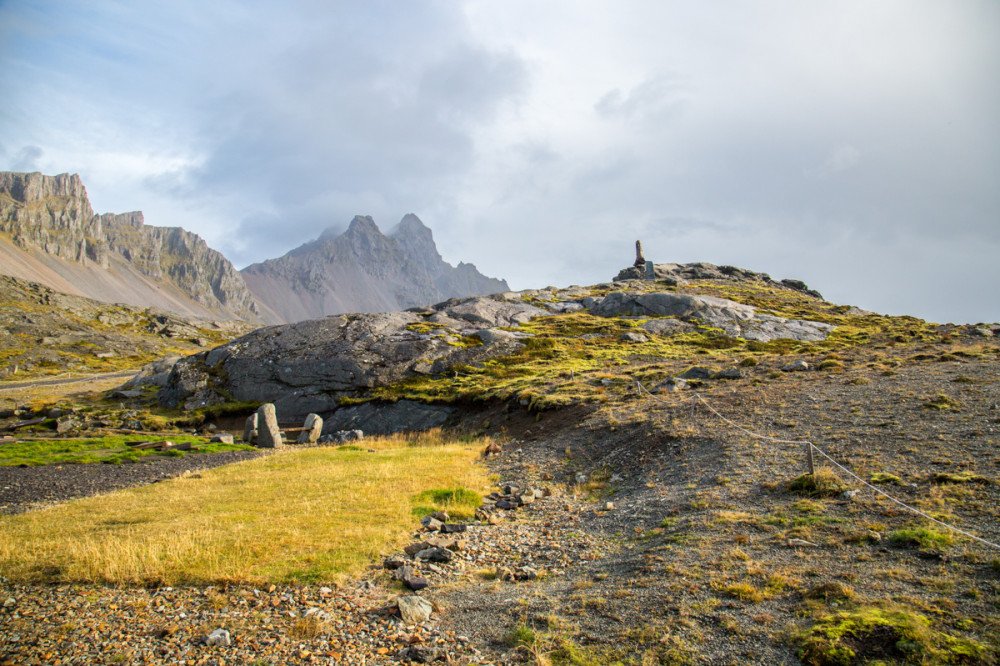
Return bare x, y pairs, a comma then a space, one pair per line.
268, 434
315, 424
250, 429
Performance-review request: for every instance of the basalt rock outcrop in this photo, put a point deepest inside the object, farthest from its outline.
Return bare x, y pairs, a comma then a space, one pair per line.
735, 319
362, 270
51, 235
678, 274
312, 366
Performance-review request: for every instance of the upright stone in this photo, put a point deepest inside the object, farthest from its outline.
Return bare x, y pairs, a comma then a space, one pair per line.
650, 270
315, 424
250, 429
640, 261
268, 434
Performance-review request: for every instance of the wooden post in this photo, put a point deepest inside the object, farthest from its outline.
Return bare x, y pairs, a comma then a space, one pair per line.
809, 456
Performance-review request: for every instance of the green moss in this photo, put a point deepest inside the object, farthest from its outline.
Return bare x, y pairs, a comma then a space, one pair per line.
884, 477
884, 635
959, 477
925, 538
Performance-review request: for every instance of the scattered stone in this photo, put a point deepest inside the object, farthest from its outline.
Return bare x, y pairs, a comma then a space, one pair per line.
731, 373
672, 384
431, 524
422, 654
68, 423
801, 543
440, 555
441, 515
222, 437
408, 576
415, 548
219, 637
797, 366
392, 563
414, 609
454, 528
697, 372
507, 505
492, 449
609, 506
526, 498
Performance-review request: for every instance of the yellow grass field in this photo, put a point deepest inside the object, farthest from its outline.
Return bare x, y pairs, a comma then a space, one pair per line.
314, 515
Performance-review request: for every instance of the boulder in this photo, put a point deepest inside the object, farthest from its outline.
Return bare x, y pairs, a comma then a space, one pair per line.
315, 425
223, 438
414, 609
268, 433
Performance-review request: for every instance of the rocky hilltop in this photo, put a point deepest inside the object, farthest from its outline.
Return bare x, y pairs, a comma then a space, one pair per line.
362, 270
344, 367
51, 235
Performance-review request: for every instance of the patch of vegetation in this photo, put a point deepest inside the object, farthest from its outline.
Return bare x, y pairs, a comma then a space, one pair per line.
885, 478
460, 503
925, 538
959, 477
824, 483
240, 523
943, 403
113, 450
830, 592
884, 635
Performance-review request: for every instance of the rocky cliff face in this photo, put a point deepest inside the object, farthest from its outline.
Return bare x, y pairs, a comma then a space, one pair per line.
112, 257
362, 270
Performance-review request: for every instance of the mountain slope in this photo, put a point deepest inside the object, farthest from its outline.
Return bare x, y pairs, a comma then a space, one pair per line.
49, 234
362, 270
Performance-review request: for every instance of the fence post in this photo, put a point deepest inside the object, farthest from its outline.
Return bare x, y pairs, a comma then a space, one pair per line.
809, 456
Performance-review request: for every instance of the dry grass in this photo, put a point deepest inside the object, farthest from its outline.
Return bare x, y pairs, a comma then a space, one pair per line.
312, 515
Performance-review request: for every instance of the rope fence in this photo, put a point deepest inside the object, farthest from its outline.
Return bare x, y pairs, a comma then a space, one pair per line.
810, 447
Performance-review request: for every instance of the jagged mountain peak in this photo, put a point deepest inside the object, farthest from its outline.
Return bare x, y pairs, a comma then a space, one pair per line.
363, 270
363, 224
408, 225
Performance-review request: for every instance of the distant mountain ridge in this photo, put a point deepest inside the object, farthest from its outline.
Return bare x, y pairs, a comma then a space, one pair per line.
51, 235
362, 270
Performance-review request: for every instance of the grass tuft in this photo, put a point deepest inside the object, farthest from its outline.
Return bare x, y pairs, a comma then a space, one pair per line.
824, 483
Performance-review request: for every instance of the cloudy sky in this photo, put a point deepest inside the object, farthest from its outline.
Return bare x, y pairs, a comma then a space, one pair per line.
851, 144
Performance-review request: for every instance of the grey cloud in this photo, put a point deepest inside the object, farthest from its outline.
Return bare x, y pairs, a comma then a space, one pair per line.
26, 159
